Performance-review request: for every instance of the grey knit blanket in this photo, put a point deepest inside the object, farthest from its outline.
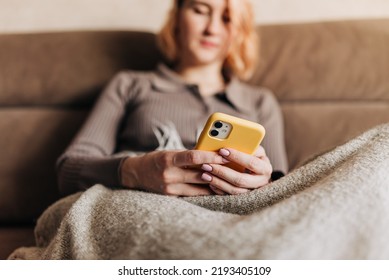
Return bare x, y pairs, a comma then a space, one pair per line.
336, 206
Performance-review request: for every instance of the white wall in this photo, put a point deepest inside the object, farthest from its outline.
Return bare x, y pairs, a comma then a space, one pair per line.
46, 15
315, 10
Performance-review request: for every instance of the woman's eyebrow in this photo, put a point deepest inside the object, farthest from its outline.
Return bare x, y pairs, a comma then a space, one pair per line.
192, 2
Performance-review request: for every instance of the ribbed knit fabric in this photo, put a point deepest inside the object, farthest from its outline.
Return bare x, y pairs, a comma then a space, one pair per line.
144, 111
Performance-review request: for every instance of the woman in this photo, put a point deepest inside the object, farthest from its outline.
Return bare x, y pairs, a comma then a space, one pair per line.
141, 131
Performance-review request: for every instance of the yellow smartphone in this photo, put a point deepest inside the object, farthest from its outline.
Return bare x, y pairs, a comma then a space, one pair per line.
225, 131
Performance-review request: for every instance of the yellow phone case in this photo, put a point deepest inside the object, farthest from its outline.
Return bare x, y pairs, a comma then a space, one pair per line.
244, 136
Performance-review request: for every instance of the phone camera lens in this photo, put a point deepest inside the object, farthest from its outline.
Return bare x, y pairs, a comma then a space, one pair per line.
218, 124
214, 132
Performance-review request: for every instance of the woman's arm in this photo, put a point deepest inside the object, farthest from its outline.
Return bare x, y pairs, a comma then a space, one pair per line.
88, 160
270, 116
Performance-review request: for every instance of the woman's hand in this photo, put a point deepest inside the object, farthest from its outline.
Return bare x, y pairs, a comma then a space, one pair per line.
169, 172
224, 180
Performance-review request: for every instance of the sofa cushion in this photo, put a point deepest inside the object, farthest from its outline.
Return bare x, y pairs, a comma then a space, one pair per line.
31, 139
68, 68
346, 60
314, 127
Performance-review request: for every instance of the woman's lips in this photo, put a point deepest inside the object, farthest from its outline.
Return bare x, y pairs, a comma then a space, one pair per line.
208, 44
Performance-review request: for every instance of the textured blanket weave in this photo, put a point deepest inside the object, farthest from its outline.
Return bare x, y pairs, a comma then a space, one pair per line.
334, 207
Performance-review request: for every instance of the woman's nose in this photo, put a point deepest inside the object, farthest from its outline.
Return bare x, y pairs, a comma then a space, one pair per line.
214, 25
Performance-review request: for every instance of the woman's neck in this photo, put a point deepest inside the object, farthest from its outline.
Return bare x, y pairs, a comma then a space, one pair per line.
209, 77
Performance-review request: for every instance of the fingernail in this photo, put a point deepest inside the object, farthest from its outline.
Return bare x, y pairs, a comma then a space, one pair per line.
206, 167
206, 177
224, 152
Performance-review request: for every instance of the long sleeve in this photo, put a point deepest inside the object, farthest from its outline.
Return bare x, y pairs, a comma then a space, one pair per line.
270, 116
89, 159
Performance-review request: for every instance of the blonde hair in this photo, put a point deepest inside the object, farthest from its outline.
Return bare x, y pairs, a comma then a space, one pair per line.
244, 49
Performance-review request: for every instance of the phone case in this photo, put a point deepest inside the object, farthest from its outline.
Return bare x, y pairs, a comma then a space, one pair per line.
244, 136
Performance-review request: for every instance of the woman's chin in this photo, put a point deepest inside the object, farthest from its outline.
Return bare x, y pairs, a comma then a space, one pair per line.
206, 60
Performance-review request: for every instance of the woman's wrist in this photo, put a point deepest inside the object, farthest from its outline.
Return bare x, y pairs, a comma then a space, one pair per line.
129, 172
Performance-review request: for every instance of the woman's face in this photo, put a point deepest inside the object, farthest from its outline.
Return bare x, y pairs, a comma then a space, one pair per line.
204, 32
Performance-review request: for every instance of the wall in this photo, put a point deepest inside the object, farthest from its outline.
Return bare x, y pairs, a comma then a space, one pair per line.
45, 15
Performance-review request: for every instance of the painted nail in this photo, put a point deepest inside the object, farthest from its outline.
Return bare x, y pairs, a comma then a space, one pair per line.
206, 167
206, 177
224, 152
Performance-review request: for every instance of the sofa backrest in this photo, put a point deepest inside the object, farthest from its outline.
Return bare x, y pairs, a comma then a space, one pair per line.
48, 83
330, 78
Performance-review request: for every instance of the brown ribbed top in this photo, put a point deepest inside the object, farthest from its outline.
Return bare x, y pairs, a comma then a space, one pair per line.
144, 111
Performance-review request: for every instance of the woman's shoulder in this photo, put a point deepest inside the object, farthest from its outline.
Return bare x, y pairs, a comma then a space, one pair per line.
256, 91
252, 93
130, 84
128, 76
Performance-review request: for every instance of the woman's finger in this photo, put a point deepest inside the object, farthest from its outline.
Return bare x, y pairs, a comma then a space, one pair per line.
190, 176
235, 178
176, 175
251, 162
196, 157
222, 185
217, 191
260, 152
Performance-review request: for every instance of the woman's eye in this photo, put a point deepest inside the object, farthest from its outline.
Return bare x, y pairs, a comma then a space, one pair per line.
200, 10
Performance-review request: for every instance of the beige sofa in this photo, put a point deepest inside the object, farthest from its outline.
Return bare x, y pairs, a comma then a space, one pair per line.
331, 79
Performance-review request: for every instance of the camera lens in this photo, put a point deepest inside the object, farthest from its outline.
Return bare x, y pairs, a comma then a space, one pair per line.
214, 132
218, 124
